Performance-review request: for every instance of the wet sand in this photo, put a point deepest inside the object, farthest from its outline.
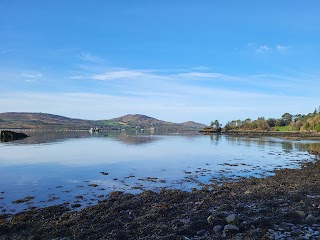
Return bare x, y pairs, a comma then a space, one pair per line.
283, 206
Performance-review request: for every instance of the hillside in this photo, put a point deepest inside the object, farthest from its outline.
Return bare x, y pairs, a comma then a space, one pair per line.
146, 122
138, 121
49, 121
40, 121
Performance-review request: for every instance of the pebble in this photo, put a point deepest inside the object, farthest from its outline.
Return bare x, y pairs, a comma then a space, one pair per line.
231, 228
232, 219
217, 228
201, 232
310, 219
301, 214
223, 207
210, 219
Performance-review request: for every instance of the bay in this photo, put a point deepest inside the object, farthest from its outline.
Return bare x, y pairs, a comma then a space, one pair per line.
78, 168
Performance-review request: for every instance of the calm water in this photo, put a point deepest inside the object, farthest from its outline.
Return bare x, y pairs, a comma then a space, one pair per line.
76, 167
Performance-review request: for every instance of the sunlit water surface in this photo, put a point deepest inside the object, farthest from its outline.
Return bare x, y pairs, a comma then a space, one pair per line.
79, 168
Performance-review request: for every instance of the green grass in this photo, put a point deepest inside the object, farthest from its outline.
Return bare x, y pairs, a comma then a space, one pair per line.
105, 123
284, 128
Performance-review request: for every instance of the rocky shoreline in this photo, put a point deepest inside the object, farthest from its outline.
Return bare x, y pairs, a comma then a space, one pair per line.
286, 135
284, 206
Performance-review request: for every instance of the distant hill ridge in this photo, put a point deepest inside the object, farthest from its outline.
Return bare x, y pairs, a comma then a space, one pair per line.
28, 120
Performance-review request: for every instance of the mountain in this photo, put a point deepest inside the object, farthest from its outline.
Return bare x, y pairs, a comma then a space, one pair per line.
142, 121
49, 121
40, 121
194, 125
146, 122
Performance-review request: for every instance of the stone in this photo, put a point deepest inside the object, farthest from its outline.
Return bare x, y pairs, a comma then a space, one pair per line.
7, 136
301, 214
232, 219
210, 219
231, 228
217, 228
310, 219
223, 207
201, 232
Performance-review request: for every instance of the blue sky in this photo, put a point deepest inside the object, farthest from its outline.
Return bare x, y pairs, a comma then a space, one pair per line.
173, 60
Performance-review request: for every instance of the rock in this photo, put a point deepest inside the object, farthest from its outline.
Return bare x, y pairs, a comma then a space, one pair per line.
295, 216
231, 228
201, 232
310, 219
301, 214
232, 219
217, 228
7, 136
210, 219
224, 207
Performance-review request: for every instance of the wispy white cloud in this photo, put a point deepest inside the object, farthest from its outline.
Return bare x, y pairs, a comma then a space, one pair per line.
200, 75
112, 75
260, 49
89, 57
200, 68
77, 77
263, 49
136, 74
150, 80
30, 80
282, 48
31, 75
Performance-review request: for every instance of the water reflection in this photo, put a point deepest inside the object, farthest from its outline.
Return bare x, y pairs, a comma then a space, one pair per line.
55, 167
40, 137
215, 138
311, 147
136, 139
287, 146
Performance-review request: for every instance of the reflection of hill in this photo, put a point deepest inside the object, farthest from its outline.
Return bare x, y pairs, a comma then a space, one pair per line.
136, 139
38, 137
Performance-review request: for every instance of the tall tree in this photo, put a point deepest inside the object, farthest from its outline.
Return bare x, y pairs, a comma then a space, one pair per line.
287, 118
216, 124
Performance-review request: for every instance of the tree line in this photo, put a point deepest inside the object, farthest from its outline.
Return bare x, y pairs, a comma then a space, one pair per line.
287, 122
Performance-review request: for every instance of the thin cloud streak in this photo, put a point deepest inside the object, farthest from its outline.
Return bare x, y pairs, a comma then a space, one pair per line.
199, 75
119, 75
264, 48
31, 75
89, 57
